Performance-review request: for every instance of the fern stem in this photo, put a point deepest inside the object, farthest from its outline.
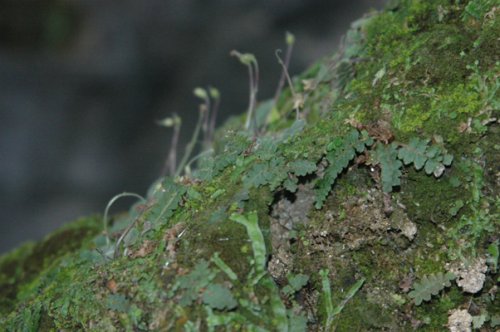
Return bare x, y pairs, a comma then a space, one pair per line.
110, 203
192, 143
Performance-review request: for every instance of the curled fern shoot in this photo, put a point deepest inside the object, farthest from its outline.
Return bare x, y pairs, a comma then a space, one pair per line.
110, 203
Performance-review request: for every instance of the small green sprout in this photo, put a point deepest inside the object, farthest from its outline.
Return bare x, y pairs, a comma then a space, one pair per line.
298, 98
250, 61
209, 119
327, 298
203, 95
493, 254
251, 223
171, 161
350, 293
215, 95
223, 266
332, 312
200, 93
190, 147
290, 41
290, 38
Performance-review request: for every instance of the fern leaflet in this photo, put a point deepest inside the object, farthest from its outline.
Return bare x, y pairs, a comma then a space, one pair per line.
341, 152
387, 157
430, 285
432, 158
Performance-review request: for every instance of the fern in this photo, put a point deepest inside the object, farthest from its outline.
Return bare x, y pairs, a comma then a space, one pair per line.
236, 144
299, 167
291, 184
166, 200
272, 169
432, 158
267, 148
257, 176
430, 285
386, 156
341, 152
271, 173
302, 167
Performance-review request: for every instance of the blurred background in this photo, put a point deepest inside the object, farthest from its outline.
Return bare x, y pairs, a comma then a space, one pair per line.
83, 82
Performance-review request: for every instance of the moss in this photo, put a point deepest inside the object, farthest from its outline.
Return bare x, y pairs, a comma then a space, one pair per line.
419, 69
19, 269
434, 315
362, 315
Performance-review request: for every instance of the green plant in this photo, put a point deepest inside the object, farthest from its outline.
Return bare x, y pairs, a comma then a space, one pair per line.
204, 96
430, 285
210, 115
477, 8
340, 152
165, 200
215, 95
171, 162
493, 253
290, 41
331, 311
192, 143
298, 98
251, 223
327, 299
250, 61
295, 284
108, 206
431, 158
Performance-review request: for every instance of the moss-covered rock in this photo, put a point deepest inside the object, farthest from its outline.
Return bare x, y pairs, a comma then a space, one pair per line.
376, 209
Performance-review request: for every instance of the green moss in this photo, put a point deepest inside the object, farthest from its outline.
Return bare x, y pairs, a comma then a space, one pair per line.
361, 315
426, 69
20, 269
434, 314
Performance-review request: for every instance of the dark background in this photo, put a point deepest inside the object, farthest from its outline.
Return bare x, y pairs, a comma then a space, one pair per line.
82, 83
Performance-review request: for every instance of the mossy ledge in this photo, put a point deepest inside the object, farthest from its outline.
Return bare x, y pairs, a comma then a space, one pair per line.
378, 209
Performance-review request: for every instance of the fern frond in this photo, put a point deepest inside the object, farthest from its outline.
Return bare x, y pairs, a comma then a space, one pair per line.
430, 285
341, 151
432, 158
387, 157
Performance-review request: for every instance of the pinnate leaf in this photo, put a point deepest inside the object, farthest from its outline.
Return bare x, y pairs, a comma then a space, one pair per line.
341, 151
387, 157
219, 297
430, 285
302, 167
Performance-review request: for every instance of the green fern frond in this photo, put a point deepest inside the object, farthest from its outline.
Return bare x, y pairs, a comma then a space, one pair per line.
387, 157
432, 158
430, 285
167, 200
341, 151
